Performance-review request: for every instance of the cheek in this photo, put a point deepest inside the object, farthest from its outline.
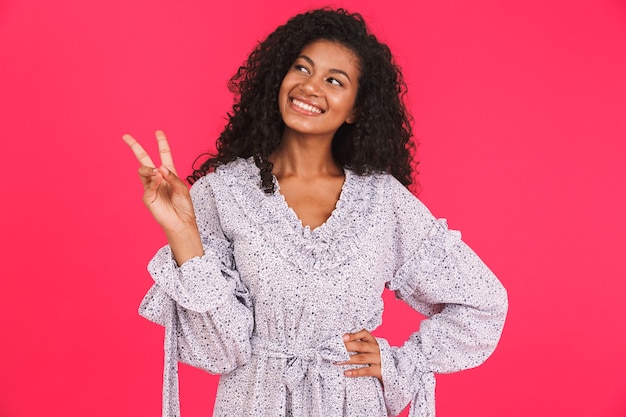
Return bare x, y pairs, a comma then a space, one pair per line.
285, 88
287, 83
353, 104
345, 103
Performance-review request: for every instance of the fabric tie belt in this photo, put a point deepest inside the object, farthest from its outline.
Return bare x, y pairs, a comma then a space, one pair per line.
302, 361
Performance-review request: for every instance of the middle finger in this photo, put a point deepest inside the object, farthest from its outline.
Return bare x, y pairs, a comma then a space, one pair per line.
364, 358
164, 151
359, 346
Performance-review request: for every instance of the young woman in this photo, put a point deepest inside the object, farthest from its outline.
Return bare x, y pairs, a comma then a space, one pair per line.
278, 256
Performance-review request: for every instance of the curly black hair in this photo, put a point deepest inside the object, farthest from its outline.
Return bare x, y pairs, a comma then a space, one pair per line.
378, 141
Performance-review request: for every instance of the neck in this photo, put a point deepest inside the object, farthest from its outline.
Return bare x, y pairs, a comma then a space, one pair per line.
304, 156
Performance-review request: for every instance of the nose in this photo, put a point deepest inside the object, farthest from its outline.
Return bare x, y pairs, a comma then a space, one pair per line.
311, 86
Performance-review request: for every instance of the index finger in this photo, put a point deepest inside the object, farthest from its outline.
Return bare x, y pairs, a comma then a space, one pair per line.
140, 153
363, 335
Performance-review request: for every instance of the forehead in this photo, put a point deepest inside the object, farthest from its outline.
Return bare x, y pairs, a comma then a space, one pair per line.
333, 55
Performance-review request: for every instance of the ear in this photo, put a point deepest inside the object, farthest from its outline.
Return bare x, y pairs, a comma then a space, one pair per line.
352, 117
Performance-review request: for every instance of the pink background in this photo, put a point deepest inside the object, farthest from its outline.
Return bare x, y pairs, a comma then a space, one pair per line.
520, 109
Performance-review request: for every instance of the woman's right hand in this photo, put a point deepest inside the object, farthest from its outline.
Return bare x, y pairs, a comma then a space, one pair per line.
167, 198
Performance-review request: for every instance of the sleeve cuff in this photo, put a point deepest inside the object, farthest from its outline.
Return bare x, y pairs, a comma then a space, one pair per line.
156, 306
400, 389
200, 284
396, 392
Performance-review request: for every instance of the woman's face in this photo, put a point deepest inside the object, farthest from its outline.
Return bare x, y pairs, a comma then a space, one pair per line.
318, 93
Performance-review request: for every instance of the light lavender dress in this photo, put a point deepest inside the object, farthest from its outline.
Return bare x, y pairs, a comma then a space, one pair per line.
268, 303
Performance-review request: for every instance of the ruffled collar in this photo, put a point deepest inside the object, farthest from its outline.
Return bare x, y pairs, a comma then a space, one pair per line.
327, 246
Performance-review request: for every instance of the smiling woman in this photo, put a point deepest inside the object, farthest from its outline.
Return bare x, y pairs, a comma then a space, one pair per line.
318, 94
316, 97
278, 255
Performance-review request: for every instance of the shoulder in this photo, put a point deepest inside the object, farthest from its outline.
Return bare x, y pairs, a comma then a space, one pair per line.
391, 196
235, 172
382, 185
238, 167
379, 194
235, 184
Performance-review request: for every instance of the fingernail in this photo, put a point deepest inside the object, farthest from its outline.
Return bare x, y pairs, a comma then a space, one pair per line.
346, 337
347, 373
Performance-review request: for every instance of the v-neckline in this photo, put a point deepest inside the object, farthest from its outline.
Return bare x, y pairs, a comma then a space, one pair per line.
327, 246
297, 221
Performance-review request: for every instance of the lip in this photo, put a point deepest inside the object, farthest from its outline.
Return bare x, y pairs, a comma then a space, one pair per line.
302, 110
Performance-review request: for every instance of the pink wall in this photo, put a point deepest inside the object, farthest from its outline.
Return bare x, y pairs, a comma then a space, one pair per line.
520, 109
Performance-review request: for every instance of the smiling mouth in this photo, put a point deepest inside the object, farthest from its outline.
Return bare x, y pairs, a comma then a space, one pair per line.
305, 106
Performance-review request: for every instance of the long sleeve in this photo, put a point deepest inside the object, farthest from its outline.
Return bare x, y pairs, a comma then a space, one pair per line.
464, 303
204, 306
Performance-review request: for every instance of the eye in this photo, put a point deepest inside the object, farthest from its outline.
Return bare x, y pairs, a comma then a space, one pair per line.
334, 81
301, 68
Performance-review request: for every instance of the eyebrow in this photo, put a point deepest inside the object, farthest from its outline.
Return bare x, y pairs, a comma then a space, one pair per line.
333, 70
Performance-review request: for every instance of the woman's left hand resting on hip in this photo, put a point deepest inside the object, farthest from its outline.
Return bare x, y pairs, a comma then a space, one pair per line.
367, 353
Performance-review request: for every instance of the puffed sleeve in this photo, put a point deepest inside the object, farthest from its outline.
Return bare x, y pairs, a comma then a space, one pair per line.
203, 305
464, 304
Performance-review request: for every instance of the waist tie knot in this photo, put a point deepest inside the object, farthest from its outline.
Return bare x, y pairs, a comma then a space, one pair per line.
302, 361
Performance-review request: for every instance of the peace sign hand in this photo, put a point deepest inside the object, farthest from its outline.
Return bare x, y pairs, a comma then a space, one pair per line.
167, 198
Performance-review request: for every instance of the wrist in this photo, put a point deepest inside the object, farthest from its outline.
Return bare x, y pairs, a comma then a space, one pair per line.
185, 243
183, 229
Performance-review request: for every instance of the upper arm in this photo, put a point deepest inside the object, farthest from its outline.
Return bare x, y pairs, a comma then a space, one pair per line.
208, 217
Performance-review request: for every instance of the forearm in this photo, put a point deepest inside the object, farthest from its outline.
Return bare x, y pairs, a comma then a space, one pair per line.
217, 341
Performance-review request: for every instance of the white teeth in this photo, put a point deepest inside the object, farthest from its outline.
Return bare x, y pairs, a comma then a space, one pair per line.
305, 106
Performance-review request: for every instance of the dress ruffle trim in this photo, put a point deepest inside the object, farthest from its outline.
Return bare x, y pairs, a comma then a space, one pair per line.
188, 286
431, 253
325, 247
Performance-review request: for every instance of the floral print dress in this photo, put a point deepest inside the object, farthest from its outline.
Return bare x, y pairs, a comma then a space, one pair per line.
267, 304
